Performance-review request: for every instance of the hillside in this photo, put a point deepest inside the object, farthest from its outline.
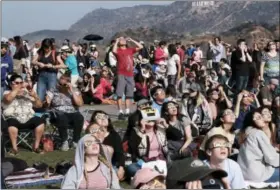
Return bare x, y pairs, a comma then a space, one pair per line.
180, 17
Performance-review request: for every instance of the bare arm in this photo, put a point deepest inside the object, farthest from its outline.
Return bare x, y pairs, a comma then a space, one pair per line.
237, 106
179, 69
139, 46
249, 57
115, 48
189, 138
228, 102
262, 70
8, 98
61, 64
37, 102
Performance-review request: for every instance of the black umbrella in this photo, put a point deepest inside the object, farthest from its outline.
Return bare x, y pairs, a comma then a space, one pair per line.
93, 37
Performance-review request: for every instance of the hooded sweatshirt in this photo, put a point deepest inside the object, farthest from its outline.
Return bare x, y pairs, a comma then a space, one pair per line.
75, 175
6, 67
257, 157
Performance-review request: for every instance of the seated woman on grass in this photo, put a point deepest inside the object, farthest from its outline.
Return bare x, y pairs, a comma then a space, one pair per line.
102, 128
92, 169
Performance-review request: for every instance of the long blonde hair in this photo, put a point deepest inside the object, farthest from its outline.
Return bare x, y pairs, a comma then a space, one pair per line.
101, 158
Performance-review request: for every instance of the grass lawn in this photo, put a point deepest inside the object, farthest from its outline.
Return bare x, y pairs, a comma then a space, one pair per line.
52, 158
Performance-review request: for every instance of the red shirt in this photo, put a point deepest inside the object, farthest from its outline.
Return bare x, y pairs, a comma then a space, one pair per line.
159, 53
125, 61
181, 54
103, 87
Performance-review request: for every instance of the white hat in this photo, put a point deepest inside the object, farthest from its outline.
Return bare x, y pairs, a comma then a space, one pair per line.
93, 46
4, 40
65, 48
81, 64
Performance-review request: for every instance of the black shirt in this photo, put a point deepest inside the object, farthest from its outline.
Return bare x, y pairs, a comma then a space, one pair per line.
114, 140
239, 67
20, 54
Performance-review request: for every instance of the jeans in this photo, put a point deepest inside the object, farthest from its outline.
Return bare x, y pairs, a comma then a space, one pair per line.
64, 120
132, 169
241, 83
172, 79
275, 176
46, 81
3, 88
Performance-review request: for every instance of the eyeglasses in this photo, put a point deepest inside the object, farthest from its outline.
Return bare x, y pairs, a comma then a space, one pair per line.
266, 112
257, 118
271, 44
228, 113
159, 92
172, 106
101, 116
94, 131
221, 145
17, 82
90, 142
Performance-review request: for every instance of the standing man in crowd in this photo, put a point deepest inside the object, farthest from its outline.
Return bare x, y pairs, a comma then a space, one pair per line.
125, 69
241, 62
218, 52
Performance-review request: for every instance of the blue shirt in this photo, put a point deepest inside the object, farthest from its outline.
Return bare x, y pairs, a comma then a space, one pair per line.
235, 176
190, 51
240, 119
158, 106
72, 64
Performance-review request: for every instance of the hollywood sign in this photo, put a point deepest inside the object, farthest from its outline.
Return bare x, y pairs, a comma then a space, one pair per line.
202, 3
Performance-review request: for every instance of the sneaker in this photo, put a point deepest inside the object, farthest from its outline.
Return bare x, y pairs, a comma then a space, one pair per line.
65, 146
121, 116
74, 145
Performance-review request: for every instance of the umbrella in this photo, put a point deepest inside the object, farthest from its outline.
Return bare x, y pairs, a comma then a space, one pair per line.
93, 37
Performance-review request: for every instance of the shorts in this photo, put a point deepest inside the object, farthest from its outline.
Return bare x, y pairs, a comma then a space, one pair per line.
30, 124
125, 85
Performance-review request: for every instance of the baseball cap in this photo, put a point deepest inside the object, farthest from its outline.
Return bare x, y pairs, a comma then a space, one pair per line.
274, 82
192, 170
143, 102
144, 175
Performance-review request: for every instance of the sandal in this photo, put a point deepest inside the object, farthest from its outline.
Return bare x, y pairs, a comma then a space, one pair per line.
13, 152
38, 151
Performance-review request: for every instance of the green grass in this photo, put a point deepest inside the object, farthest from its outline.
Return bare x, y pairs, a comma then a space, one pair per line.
52, 158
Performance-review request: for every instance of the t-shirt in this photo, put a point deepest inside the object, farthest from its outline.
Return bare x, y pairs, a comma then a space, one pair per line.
71, 63
271, 68
125, 61
96, 180
176, 131
235, 176
240, 68
172, 64
61, 102
20, 54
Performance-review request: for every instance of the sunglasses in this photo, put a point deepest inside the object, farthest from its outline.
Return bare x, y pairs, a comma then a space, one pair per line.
271, 44
101, 116
221, 145
94, 131
90, 142
18, 83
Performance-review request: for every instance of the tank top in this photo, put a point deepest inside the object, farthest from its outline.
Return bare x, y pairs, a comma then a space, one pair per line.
47, 60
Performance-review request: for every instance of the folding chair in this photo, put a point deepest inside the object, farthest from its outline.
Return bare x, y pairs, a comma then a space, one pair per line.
24, 138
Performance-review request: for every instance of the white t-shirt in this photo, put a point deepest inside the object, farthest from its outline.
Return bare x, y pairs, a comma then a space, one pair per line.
235, 176
171, 64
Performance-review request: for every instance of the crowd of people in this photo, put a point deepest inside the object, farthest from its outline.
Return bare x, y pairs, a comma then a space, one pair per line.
203, 119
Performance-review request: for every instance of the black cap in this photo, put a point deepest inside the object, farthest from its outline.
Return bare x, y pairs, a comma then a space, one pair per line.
192, 170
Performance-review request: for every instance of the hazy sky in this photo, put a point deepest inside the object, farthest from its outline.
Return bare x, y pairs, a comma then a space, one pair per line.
21, 17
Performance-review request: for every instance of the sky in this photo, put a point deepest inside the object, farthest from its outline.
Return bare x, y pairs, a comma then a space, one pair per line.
21, 17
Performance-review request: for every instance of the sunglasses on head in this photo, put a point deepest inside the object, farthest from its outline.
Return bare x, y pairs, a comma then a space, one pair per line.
91, 142
221, 145
102, 116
